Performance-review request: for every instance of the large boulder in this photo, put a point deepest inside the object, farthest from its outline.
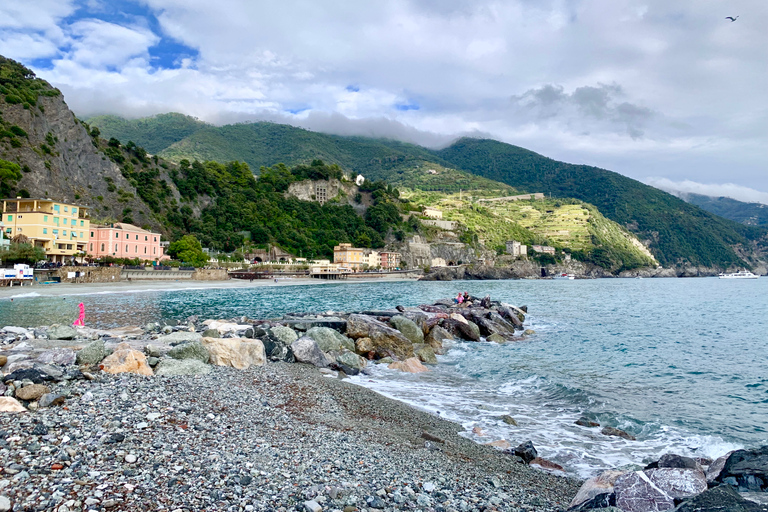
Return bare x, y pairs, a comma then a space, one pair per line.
436, 337
224, 327
425, 353
635, 492
328, 339
61, 356
179, 337
408, 328
92, 353
678, 483
62, 332
410, 365
747, 470
601, 484
387, 342
278, 351
723, 498
284, 334
351, 359
526, 451
193, 350
240, 353
305, 350
174, 367
126, 360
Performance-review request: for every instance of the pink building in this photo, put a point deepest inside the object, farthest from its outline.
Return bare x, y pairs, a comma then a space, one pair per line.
389, 260
122, 240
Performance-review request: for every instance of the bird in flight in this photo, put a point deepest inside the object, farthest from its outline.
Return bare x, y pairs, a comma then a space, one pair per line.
731, 18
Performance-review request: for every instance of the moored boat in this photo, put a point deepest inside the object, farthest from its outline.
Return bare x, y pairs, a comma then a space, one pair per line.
564, 275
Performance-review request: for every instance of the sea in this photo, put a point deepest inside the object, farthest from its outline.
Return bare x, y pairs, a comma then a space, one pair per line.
681, 364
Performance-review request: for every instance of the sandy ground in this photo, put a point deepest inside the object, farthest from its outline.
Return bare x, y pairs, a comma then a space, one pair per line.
54, 290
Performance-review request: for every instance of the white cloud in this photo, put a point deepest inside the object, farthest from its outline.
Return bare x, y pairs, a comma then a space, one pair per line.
643, 87
738, 192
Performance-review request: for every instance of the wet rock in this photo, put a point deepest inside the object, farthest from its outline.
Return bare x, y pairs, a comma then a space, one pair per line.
526, 451
3, 360
408, 328
436, 337
51, 399
714, 469
239, 353
747, 470
176, 367
285, 335
586, 422
329, 339
305, 350
61, 356
509, 420
425, 353
410, 365
62, 332
546, 465
32, 392
670, 460
364, 346
351, 360
495, 338
91, 354
126, 360
611, 431
723, 498
193, 350
596, 486
605, 501
678, 483
10, 404
386, 340
636, 493
277, 351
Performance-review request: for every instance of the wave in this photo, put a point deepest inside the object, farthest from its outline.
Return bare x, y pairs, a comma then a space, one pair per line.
23, 295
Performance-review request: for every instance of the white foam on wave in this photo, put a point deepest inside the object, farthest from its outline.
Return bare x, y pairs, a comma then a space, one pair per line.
549, 424
24, 295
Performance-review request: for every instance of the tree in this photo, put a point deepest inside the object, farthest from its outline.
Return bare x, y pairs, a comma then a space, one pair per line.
10, 173
188, 250
23, 253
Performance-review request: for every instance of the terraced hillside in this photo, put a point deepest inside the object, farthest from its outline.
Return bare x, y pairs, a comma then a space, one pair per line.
565, 224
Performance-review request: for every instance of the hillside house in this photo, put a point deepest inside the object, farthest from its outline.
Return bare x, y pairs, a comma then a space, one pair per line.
433, 213
516, 248
543, 249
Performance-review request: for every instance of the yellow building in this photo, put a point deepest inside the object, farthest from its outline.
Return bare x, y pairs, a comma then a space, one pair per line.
61, 229
350, 257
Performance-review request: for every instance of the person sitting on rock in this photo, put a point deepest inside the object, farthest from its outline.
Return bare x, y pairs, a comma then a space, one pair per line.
459, 298
466, 297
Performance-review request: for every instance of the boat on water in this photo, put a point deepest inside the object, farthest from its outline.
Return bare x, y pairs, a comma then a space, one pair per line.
564, 276
741, 274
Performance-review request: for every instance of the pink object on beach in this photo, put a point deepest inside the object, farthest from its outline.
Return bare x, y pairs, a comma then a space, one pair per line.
80, 319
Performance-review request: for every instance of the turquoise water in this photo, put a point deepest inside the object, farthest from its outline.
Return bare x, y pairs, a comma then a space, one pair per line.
679, 363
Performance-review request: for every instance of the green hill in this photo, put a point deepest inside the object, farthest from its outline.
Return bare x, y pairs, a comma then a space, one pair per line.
152, 133
749, 214
677, 232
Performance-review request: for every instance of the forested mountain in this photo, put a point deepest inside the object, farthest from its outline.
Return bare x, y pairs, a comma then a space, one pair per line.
152, 133
750, 214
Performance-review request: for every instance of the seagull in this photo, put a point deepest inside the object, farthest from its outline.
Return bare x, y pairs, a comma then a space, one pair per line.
731, 18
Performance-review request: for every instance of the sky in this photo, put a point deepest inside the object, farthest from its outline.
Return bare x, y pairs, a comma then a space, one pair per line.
670, 93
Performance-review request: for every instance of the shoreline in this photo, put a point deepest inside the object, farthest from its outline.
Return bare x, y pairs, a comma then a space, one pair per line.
66, 289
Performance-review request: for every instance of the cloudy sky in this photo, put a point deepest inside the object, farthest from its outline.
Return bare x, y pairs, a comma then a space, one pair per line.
670, 93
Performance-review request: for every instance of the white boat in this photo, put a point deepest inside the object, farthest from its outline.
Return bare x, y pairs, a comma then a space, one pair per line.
564, 276
741, 274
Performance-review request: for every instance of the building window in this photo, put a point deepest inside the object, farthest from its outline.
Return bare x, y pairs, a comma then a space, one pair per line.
135, 248
55, 231
154, 250
74, 211
137, 237
81, 234
56, 208
64, 232
146, 238
45, 231
102, 247
82, 223
145, 249
126, 236
91, 233
45, 218
126, 248
66, 208
64, 221
69, 247
154, 239
10, 218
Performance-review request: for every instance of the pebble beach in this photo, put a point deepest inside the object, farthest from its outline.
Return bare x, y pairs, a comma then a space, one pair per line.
273, 437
